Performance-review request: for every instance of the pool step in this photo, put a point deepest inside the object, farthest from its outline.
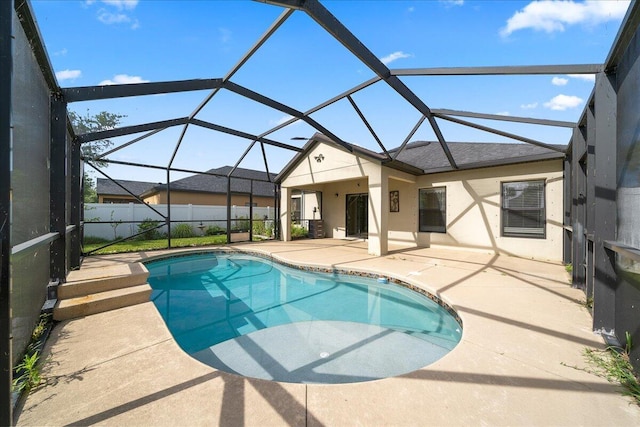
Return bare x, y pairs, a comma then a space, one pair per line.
95, 290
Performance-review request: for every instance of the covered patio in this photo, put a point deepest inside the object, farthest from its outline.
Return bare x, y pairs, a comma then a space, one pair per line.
516, 364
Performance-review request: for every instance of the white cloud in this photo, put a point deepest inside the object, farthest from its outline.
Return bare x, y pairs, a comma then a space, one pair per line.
585, 77
121, 79
225, 35
411, 9
109, 18
116, 12
282, 120
61, 52
563, 102
559, 81
394, 56
122, 4
452, 2
529, 106
554, 15
68, 75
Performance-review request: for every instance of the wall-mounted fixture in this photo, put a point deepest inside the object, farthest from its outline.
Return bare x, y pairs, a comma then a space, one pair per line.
319, 158
337, 194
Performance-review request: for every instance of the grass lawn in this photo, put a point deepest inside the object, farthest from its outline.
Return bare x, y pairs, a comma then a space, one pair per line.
148, 245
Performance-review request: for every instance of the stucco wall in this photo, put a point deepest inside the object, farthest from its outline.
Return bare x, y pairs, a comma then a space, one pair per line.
185, 198
474, 211
473, 202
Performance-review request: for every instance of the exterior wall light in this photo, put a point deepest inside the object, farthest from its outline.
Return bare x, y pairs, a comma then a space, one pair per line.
319, 158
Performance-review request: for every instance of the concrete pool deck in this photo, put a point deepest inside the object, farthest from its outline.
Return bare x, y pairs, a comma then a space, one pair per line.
525, 330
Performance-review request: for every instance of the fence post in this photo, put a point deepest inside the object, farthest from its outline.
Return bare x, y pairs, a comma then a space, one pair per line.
131, 216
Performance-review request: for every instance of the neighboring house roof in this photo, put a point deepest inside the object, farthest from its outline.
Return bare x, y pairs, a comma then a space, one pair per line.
108, 187
425, 157
201, 183
204, 183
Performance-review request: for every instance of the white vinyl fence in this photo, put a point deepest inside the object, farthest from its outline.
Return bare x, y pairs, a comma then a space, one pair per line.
199, 217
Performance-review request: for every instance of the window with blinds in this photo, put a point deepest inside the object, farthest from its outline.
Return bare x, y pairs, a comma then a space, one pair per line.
523, 209
433, 210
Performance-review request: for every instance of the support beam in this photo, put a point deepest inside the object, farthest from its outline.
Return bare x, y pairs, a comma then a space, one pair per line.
77, 205
501, 70
6, 81
254, 96
244, 135
604, 298
566, 205
334, 27
323, 105
93, 93
408, 138
501, 133
128, 130
267, 34
527, 120
135, 196
578, 217
58, 187
366, 123
126, 144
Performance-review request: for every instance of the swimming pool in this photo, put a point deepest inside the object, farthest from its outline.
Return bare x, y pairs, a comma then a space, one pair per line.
253, 316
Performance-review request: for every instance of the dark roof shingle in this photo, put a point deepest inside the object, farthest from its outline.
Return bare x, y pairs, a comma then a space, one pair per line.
428, 155
107, 187
204, 183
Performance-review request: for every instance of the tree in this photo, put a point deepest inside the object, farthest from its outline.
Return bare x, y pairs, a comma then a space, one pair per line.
91, 150
90, 195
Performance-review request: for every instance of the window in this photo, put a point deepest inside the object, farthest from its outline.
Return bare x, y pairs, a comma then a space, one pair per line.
433, 210
296, 209
523, 209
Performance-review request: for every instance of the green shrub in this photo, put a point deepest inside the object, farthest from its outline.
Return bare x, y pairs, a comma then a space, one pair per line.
298, 231
214, 230
241, 223
182, 231
262, 227
148, 227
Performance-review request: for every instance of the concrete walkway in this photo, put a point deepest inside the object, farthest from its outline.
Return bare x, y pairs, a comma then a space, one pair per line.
525, 330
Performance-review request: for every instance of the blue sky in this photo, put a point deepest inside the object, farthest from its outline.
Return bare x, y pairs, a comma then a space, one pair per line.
117, 41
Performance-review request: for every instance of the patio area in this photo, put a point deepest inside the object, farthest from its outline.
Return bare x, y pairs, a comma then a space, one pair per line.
525, 330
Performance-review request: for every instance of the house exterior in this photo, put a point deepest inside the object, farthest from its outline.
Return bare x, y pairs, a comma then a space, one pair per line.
110, 192
200, 189
502, 198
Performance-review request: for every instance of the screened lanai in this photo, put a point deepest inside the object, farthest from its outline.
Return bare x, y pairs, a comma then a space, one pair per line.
245, 112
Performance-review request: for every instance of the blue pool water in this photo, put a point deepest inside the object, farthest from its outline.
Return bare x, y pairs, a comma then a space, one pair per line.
224, 308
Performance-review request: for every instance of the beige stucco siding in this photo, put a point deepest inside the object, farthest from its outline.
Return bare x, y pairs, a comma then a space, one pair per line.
474, 210
473, 202
194, 198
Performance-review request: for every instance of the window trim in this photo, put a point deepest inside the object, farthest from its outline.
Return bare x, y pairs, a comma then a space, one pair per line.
433, 189
503, 211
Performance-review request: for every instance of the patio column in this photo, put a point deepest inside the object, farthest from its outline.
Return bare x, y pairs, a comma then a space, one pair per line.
378, 213
285, 214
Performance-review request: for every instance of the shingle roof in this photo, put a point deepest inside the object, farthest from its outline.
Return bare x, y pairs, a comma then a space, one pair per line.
429, 156
218, 184
197, 183
107, 187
